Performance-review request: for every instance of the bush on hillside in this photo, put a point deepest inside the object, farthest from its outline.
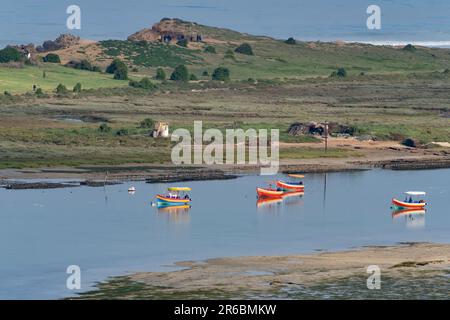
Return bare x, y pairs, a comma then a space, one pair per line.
221, 74
61, 89
340, 73
10, 54
290, 41
244, 48
52, 58
183, 43
144, 83
180, 73
77, 88
160, 74
147, 123
210, 49
410, 48
104, 128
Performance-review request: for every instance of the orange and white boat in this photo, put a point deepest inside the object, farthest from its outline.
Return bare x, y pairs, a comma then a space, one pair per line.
410, 203
269, 193
296, 186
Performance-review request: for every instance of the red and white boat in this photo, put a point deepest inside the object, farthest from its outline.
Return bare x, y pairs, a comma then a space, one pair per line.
410, 203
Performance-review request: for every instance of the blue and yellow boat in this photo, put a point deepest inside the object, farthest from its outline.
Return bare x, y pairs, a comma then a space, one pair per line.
176, 196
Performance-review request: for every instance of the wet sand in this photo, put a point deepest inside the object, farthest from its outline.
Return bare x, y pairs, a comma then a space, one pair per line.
410, 270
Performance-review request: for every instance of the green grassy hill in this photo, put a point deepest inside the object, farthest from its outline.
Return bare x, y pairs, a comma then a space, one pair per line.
272, 59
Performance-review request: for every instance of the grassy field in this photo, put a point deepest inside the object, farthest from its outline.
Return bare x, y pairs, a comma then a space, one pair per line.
21, 80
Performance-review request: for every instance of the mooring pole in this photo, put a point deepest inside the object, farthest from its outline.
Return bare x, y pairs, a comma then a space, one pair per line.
326, 136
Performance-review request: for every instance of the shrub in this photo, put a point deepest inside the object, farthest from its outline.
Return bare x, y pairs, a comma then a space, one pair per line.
290, 41
135, 69
10, 54
81, 65
183, 43
117, 64
447, 71
244, 48
61, 89
104, 128
122, 132
160, 74
147, 123
52, 58
341, 73
221, 74
96, 69
180, 73
77, 88
39, 92
144, 83
193, 77
205, 73
409, 143
121, 72
410, 48
7, 93
210, 49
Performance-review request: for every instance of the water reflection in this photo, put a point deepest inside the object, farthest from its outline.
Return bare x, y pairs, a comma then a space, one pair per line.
414, 218
176, 214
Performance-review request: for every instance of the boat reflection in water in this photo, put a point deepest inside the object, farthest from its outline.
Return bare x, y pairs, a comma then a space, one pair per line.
414, 218
175, 213
276, 204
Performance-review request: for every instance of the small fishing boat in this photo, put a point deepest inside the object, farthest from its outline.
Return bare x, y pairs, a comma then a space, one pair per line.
297, 186
176, 196
292, 186
131, 189
269, 193
410, 203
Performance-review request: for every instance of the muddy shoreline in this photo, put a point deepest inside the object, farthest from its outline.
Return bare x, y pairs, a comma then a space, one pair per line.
99, 176
421, 269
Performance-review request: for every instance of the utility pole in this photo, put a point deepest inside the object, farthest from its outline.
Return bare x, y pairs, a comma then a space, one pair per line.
326, 136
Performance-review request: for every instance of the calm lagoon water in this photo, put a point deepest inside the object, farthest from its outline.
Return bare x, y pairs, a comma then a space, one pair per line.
109, 232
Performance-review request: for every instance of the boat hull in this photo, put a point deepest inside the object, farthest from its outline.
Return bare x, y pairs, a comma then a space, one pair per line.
166, 201
290, 186
268, 193
402, 204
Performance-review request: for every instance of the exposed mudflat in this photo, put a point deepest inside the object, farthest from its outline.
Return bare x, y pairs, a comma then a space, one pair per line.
408, 271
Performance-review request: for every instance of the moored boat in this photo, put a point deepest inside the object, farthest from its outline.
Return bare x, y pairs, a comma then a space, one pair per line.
177, 196
410, 203
269, 193
297, 186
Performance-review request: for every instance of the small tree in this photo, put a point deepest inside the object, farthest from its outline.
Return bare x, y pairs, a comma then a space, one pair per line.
122, 132
193, 77
61, 89
144, 83
121, 72
410, 48
205, 73
52, 58
210, 49
77, 88
183, 43
340, 73
10, 54
290, 41
39, 93
160, 74
229, 54
180, 73
116, 64
244, 48
147, 123
221, 74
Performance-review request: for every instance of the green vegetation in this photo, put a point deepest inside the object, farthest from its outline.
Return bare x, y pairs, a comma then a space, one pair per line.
10, 54
160, 74
147, 123
150, 54
144, 83
52, 58
183, 43
244, 48
180, 73
340, 73
104, 128
119, 69
410, 48
77, 88
61, 89
221, 74
210, 49
21, 80
290, 41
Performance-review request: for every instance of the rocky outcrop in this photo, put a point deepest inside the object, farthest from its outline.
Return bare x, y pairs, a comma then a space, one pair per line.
168, 30
62, 42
